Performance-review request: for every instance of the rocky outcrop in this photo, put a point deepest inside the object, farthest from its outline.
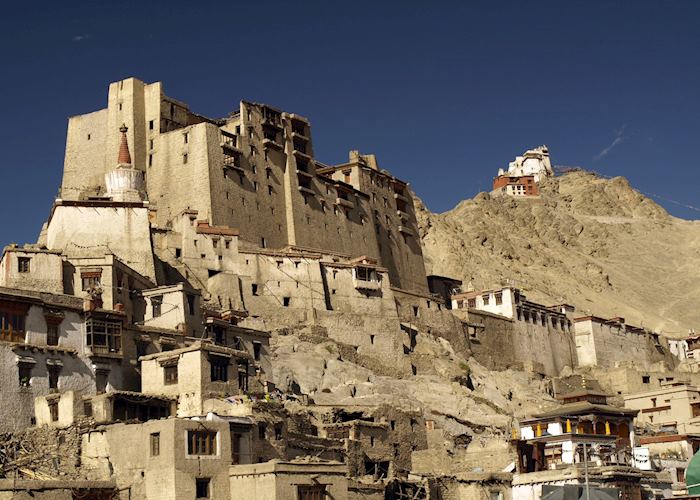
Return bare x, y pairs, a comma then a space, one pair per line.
595, 243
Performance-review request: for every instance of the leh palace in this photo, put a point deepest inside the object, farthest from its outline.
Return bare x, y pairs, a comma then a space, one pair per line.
210, 312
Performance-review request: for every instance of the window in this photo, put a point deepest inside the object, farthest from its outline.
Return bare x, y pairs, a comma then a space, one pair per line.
278, 432
646, 379
91, 280
155, 444
190, 304
150, 160
243, 376
202, 487
499, 298
53, 409
12, 318
286, 301
150, 125
23, 264
87, 408
186, 137
54, 371
156, 304
201, 442
170, 374
254, 288
101, 378
103, 336
257, 349
471, 303
365, 274
219, 368
262, 429
485, 298
184, 158
25, 374
312, 492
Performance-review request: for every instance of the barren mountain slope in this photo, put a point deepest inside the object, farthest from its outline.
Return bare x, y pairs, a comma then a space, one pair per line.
594, 243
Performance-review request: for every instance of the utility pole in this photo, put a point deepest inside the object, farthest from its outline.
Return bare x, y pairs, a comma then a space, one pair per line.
585, 471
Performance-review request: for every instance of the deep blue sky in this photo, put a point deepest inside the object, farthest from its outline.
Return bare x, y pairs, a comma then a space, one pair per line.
444, 93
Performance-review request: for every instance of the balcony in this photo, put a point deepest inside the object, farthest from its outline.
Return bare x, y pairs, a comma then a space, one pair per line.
306, 190
298, 135
401, 197
230, 142
97, 351
233, 163
344, 202
361, 284
406, 230
269, 121
300, 154
272, 143
304, 173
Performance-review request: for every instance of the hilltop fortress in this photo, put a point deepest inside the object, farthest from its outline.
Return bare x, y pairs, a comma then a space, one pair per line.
254, 171
211, 312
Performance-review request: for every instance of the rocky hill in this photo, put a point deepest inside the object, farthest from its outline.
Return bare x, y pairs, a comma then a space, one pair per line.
594, 243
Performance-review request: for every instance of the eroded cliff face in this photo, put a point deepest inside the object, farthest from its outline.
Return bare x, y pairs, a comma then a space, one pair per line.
594, 243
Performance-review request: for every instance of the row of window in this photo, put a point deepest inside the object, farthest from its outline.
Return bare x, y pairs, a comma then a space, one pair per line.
24, 370
219, 372
534, 317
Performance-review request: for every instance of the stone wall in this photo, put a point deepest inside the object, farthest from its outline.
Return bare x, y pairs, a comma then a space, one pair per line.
45, 270
607, 345
96, 229
499, 343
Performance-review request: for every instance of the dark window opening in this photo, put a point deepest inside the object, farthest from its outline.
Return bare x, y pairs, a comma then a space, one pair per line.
219, 369
52, 335
157, 305
380, 470
203, 486
54, 371
257, 349
53, 410
243, 376
25, 374
23, 264
191, 304
286, 301
313, 492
